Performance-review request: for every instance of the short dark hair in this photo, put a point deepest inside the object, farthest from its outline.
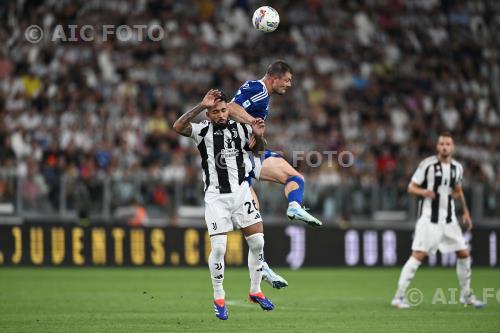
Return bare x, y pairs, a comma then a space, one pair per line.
279, 67
446, 134
222, 97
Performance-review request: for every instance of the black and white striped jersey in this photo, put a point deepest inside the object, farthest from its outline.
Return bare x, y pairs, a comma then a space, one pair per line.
224, 154
441, 178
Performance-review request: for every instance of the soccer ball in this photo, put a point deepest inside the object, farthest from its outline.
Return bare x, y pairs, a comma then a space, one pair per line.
266, 19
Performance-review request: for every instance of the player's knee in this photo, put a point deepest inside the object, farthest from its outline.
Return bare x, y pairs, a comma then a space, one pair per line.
218, 250
299, 179
256, 242
419, 255
463, 254
218, 244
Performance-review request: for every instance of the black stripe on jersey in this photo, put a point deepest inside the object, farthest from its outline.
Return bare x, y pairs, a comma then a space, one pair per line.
204, 162
424, 186
220, 161
204, 155
233, 128
437, 183
453, 174
246, 147
244, 126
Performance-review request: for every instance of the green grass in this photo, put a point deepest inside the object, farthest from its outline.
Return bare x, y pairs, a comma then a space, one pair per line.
179, 299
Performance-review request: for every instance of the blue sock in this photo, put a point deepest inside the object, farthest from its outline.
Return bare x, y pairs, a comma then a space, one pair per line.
296, 195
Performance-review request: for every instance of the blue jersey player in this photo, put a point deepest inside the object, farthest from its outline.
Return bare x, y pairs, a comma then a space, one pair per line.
250, 102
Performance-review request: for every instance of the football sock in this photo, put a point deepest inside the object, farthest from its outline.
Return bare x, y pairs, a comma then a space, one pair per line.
464, 275
296, 195
216, 264
407, 274
255, 260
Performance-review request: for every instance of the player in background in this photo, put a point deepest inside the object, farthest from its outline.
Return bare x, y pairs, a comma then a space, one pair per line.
437, 181
228, 201
252, 102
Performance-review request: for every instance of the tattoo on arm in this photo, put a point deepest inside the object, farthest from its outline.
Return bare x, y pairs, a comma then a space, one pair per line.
260, 144
183, 124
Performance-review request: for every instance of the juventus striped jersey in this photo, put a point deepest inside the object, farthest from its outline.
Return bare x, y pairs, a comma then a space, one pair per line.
224, 154
441, 178
254, 98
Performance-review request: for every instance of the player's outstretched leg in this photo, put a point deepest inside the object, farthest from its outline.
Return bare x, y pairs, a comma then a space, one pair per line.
272, 278
276, 169
464, 276
407, 274
216, 266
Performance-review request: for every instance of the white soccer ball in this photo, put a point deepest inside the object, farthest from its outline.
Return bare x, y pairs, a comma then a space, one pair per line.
266, 19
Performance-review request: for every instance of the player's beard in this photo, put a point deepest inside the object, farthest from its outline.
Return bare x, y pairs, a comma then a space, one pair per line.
221, 125
280, 92
445, 154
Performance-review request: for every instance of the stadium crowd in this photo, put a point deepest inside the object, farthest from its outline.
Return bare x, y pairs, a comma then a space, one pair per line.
379, 78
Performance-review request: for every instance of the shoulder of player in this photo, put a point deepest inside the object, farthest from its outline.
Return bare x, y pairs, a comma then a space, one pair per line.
457, 164
255, 86
202, 127
428, 161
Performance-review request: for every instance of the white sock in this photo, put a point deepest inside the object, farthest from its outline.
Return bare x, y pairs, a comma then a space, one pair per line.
216, 264
407, 274
464, 275
294, 204
255, 260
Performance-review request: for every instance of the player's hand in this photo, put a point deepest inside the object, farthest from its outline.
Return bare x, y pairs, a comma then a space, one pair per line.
258, 127
210, 98
429, 194
467, 221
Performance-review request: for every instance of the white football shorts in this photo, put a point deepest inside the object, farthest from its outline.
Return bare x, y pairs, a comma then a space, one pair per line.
229, 211
445, 237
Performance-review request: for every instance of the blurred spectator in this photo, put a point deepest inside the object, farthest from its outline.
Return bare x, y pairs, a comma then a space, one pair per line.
378, 78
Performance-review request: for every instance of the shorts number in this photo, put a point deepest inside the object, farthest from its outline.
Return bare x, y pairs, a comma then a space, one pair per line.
214, 226
249, 208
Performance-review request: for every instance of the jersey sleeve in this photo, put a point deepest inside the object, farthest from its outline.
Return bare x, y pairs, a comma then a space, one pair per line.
419, 175
251, 97
197, 128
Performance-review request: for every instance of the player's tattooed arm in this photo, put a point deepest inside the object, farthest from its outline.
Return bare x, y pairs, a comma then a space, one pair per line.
257, 141
183, 124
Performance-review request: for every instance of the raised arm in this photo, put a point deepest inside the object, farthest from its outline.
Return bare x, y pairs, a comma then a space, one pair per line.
238, 113
183, 124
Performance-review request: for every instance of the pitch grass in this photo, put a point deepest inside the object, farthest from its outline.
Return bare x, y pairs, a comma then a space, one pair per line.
179, 299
